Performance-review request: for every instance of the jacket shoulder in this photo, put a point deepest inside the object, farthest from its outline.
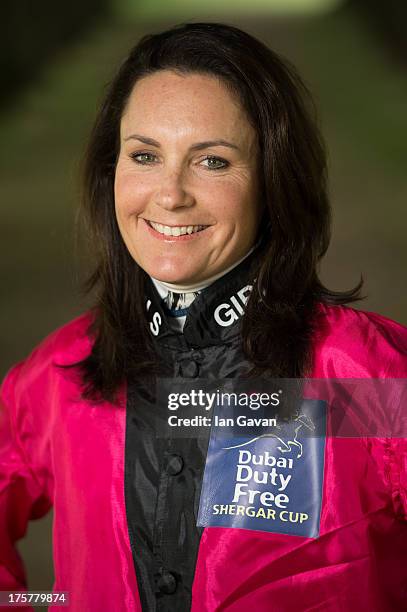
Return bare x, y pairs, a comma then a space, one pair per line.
66, 345
359, 343
70, 342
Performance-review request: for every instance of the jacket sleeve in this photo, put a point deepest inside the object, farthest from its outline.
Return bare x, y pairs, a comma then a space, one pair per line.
22, 486
396, 448
396, 451
357, 344
395, 445
396, 458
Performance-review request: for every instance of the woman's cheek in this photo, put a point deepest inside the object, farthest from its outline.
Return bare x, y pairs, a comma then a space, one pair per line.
130, 193
224, 196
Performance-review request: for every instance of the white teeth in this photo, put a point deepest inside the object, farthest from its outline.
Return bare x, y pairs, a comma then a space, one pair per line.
176, 231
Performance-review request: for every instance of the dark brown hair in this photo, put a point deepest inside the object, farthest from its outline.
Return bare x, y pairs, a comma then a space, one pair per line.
295, 232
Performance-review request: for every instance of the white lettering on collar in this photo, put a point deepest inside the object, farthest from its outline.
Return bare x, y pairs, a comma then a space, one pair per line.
156, 322
225, 314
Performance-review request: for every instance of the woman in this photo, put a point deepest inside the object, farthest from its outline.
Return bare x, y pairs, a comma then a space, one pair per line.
205, 194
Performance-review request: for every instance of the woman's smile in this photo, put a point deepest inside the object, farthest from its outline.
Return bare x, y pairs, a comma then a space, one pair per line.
175, 233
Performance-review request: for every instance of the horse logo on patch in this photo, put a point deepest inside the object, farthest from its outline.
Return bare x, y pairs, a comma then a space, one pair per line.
298, 422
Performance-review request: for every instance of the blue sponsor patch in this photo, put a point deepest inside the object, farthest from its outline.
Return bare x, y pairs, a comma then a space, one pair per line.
269, 480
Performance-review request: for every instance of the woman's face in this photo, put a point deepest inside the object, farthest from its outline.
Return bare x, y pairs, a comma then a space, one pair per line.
186, 185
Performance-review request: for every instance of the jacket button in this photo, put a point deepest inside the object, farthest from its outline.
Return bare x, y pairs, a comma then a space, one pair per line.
175, 464
189, 369
167, 583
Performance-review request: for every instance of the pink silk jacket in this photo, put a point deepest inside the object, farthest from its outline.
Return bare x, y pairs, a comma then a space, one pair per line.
59, 451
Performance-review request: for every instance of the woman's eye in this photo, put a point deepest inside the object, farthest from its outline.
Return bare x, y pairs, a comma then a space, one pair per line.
143, 158
215, 163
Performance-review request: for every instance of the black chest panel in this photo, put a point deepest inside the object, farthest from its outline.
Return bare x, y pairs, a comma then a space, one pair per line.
163, 475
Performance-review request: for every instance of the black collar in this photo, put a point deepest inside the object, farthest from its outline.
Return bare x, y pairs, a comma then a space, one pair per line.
214, 316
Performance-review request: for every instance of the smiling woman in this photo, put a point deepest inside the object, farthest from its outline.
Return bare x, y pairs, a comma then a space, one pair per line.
205, 201
186, 191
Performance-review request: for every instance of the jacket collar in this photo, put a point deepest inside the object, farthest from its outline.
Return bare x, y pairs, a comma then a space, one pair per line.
215, 315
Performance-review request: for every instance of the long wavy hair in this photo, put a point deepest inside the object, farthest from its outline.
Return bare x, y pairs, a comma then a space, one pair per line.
278, 324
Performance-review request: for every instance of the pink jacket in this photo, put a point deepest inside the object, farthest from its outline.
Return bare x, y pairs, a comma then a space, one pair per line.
58, 450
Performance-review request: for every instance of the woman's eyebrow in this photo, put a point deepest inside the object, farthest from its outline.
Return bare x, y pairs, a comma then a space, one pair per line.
196, 147
143, 139
213, 143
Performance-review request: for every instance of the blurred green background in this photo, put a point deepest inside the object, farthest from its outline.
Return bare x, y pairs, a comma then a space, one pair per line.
55, 67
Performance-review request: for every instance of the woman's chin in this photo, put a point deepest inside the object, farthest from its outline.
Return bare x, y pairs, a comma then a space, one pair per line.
176, 278
175, 272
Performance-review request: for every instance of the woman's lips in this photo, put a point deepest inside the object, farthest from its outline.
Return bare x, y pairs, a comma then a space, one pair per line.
169, 238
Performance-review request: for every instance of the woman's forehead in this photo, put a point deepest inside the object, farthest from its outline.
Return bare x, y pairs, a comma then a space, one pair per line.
173, 103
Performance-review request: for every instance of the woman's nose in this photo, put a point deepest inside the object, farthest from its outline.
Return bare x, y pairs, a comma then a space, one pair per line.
173, 192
